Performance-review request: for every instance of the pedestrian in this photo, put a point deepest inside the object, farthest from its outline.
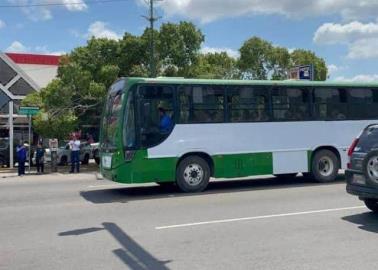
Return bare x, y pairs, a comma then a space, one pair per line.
75, 154
40, 158
21, 158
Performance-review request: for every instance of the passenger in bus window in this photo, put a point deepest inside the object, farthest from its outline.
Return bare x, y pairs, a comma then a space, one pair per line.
166, 124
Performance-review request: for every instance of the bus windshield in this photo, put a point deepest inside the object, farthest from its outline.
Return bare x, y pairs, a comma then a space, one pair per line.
112, 115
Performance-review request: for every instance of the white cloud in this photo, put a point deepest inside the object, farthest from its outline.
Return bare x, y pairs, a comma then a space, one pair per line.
332, 68
211, 10
74, 5
43, 13
17, 46
232, 53
359, 78
361, 39
2, 24
332, 33
99, 29
44, 50
364, 49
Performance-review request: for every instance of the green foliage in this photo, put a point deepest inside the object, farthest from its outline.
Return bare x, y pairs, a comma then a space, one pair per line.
54, 126
215, 66
178, 47
33, 99
260, 60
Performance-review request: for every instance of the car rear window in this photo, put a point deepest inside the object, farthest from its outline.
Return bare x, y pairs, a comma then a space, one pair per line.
368, 140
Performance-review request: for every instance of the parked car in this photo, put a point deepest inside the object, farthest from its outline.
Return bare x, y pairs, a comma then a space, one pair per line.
362, 172
96, 152
64, 154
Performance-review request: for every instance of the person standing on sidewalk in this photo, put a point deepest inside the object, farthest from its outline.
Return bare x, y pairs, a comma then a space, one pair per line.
21, 158
75, 154
40, 158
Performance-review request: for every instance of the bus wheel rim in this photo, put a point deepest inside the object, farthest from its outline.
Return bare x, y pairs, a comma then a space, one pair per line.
325, 166
193, 174
372, 167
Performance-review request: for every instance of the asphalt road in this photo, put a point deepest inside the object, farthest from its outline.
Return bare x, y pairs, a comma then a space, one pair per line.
78, 222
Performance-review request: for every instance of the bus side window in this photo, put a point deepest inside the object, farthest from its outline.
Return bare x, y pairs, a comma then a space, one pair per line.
184, 96
330, 104
155, 111
361, 104
208, 104
247, 104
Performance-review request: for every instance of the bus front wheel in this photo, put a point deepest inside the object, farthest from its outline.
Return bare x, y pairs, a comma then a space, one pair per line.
193, 174
325, 166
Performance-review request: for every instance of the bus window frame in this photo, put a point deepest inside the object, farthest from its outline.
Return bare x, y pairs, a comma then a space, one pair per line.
138, 97
191, 103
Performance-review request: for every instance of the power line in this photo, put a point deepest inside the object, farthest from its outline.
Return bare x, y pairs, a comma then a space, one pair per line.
62, 4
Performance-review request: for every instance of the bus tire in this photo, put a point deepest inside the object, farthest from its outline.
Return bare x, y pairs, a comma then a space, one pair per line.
192, 174
325, 166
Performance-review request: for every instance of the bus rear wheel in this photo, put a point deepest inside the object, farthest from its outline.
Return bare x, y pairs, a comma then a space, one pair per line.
325, 166
193, 174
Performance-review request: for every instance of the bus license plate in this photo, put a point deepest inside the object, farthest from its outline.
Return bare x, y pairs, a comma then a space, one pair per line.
106, 161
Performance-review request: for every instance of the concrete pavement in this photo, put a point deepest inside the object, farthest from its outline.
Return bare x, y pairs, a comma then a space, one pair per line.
75, 221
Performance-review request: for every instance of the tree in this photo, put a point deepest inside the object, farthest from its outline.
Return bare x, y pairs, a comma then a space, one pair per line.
260, 60
255, 59
305, 57
215, 66
178, 48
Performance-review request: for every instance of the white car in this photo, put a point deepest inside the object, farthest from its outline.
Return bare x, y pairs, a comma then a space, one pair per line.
64, 154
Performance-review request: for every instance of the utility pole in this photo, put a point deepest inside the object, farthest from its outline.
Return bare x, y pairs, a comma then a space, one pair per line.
151, 18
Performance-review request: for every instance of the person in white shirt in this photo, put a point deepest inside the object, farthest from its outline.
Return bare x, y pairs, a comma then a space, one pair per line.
75, 154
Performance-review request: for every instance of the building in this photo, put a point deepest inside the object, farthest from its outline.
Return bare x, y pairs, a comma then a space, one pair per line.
20, 75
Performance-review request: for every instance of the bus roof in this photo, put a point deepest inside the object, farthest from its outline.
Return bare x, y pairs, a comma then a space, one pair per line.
175, 80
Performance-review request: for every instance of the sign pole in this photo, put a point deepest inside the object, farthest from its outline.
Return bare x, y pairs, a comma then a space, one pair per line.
11, 139
29, 141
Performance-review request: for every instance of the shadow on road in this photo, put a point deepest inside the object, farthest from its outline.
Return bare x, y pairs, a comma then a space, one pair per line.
125, 194
367, 221
131, 254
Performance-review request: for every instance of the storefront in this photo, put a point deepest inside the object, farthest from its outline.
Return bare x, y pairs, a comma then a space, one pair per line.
20, 75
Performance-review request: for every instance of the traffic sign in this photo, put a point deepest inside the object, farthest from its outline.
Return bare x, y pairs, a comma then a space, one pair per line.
28, 110
302, 73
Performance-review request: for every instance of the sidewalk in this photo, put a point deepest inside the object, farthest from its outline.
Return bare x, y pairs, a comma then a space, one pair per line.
91, 168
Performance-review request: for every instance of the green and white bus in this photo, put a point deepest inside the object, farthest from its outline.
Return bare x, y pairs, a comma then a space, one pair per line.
230, 129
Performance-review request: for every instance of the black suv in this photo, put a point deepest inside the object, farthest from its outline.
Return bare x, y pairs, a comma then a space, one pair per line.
362, 172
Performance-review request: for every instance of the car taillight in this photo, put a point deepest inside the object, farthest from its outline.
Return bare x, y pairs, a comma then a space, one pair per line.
351, 148
350, 152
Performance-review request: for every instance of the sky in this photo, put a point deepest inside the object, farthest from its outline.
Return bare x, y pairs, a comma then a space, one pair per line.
343, 32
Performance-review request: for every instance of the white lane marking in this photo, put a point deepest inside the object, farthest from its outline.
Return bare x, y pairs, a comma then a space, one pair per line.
257, 217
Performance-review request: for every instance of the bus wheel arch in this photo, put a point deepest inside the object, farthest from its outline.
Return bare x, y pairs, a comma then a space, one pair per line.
203, 155
325, 163
193, 172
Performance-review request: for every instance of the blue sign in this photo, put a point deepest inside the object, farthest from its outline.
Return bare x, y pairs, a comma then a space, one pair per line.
306, 72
